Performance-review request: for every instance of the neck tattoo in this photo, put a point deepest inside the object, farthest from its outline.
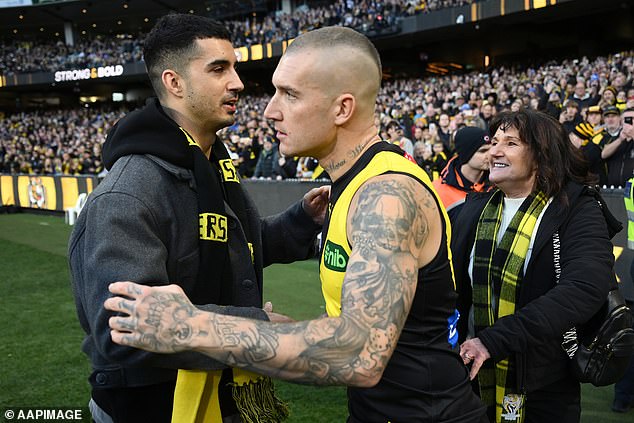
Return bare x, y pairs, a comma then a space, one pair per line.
333, 166
352, 154
355, 152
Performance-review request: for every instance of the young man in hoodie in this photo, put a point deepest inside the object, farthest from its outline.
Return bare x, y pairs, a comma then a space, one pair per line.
172, 210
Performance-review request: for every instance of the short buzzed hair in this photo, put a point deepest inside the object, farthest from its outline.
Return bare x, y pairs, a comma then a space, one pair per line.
337, 36
171, 43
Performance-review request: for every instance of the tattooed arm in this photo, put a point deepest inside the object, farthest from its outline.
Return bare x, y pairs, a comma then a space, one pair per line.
390, 224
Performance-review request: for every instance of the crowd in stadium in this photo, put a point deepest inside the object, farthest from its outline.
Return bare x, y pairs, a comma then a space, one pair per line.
50, 54
420, 114
56, 141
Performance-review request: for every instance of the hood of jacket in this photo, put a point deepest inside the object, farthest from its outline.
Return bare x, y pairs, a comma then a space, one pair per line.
148, 131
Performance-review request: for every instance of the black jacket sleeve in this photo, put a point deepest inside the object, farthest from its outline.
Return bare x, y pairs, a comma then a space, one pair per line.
289, 236
586, 277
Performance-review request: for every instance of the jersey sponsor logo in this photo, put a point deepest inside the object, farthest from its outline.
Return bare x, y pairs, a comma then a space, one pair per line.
335, 257
229, 173
213, 227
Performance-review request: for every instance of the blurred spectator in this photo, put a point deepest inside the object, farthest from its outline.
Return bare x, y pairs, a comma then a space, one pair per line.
248, 155
583, 97
395, 136
570, 116
444, 133
608, 98
439, 158
267, 160
594, 118
581, 137
621, 100
611, 127
486, 114
467, 171
423, 157
619, 152
285, 167
306, 166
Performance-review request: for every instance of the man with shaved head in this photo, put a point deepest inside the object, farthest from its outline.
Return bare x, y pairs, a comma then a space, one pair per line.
385, 266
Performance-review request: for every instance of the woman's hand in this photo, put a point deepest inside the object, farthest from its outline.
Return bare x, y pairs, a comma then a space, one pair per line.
473, 350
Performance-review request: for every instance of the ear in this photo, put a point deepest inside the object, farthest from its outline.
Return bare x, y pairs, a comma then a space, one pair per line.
173, 82
345, 106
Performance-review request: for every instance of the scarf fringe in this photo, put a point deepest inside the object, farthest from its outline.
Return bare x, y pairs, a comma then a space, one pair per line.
257, 402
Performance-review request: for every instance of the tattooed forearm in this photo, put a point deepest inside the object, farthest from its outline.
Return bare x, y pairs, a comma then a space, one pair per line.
163, 321
323, 351
388, 228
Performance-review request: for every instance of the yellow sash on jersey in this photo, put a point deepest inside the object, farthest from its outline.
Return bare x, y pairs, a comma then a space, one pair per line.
196, 397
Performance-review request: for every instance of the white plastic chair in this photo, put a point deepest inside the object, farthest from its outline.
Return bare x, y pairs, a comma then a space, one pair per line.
72, 213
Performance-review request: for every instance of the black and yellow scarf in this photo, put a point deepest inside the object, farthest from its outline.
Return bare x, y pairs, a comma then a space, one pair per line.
201, 395
150, 131
498, 269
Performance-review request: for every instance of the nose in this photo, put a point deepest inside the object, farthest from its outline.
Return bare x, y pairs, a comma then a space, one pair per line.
271, 111
494, 151
235, 83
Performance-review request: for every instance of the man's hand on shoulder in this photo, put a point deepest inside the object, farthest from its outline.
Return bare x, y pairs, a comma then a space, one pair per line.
315, 203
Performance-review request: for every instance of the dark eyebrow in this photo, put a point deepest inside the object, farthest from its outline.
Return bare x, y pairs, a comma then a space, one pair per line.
507, 137
218, 62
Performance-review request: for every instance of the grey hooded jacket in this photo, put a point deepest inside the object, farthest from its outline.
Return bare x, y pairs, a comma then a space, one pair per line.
141, 224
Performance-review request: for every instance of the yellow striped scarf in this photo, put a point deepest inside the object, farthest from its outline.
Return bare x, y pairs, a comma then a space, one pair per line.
498, 270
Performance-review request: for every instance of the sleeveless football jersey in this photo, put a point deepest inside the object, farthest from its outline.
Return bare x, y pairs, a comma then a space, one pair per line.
425, 378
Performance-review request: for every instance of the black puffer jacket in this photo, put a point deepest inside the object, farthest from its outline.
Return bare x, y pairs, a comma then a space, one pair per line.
545, 309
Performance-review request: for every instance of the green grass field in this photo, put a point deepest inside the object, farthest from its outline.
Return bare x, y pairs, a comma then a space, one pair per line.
40, 359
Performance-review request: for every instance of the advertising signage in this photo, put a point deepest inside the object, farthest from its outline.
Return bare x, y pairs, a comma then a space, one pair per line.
89, 73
